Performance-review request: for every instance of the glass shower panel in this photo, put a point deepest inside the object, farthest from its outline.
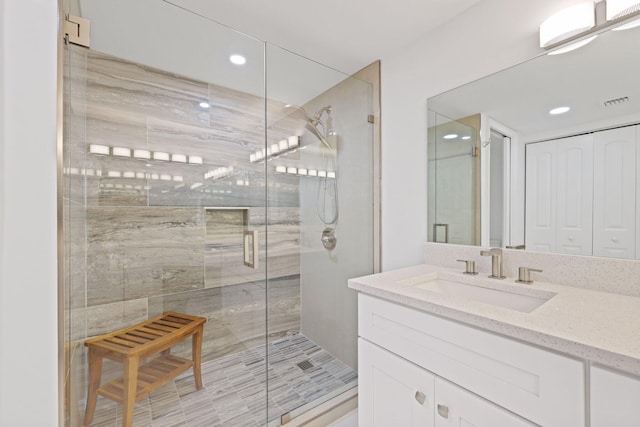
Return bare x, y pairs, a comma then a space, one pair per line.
454, 213
163, 209
320, 228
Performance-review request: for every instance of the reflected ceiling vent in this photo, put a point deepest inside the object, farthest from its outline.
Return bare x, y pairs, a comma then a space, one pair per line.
616, 101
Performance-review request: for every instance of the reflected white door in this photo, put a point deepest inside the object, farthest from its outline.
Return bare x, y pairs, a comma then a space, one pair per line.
575, 195
614, 192
541, 190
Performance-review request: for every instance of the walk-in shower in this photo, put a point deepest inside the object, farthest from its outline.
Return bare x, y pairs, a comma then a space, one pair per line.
199, 186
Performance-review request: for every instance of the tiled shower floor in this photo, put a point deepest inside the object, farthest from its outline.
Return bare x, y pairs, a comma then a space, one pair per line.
234, 388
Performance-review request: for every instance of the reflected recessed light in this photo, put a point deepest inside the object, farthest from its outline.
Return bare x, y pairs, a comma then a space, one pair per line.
466, 137
559, 110
238, 59
204, 105
450, 136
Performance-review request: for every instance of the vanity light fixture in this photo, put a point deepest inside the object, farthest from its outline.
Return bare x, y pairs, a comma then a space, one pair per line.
580, 24
573, 46
99, 149
467, 137
617, 9
450, 136
180, 158
237, 59
559, 110
121, 151
567, 23
142, 154
195, 160
159, 155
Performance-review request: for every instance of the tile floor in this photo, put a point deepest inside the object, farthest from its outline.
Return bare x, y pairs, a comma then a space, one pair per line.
235, 388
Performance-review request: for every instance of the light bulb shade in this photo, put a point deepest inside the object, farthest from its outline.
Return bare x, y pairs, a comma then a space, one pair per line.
121, 151
180, 158
99, 149
617, 9
142, 154
567, 23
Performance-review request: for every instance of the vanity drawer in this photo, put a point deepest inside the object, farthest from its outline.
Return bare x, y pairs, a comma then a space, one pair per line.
539, 385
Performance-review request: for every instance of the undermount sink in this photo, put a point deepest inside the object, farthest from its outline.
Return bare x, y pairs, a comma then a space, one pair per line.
478, 289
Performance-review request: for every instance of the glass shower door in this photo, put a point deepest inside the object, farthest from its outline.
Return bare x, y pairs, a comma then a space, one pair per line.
163, 208
320, 228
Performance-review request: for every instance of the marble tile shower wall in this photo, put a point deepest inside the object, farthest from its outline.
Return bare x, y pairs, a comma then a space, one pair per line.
146, 236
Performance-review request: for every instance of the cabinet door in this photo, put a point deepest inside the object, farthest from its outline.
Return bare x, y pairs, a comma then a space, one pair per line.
575, 195
392, 391
456, 406
614, 193
614, 399
541, 187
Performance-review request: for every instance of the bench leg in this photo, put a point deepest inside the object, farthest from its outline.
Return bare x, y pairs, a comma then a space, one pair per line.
95, 374
130, 385
196, 354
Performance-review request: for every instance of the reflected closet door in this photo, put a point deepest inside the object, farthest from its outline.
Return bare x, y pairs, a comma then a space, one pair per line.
614, 219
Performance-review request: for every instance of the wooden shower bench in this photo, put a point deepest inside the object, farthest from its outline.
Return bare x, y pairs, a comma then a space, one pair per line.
131, 345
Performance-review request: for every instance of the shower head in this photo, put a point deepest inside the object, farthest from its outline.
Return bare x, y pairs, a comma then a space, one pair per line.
312, 123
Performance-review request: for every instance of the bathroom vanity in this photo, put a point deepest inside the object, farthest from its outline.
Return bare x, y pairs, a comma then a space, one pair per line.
438, 347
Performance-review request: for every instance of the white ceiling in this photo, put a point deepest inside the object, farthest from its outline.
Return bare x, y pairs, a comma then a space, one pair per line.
344, 34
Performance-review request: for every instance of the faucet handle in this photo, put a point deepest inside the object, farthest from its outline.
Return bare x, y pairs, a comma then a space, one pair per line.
470, 266
524, 275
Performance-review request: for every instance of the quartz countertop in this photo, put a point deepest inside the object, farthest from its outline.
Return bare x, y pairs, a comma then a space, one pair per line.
598, 326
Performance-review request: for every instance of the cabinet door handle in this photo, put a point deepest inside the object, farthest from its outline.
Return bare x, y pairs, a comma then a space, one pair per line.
443, 411
420, 397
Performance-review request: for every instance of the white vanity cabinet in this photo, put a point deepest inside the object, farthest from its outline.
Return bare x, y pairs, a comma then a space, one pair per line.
480, 377
615, 399
391, 391
395, 392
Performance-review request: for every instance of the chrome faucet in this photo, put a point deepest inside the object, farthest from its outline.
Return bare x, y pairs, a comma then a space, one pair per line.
496, 262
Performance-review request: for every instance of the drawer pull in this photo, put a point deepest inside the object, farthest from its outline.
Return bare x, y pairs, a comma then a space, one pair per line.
443, 411
420, 397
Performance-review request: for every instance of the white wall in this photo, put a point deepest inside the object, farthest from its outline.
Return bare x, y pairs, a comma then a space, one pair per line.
28, 282
490, 36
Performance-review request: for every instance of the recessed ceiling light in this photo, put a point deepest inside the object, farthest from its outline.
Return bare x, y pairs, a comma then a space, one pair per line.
238, 59
450, 136
466, 137
559, 110
204, 105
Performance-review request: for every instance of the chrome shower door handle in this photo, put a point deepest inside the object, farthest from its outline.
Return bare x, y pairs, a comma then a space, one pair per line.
251, 249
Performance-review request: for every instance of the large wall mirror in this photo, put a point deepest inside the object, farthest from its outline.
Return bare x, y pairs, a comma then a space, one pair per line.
505, 172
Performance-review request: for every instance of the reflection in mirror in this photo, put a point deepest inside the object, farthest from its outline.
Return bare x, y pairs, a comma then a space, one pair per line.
562, 183
453, 179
